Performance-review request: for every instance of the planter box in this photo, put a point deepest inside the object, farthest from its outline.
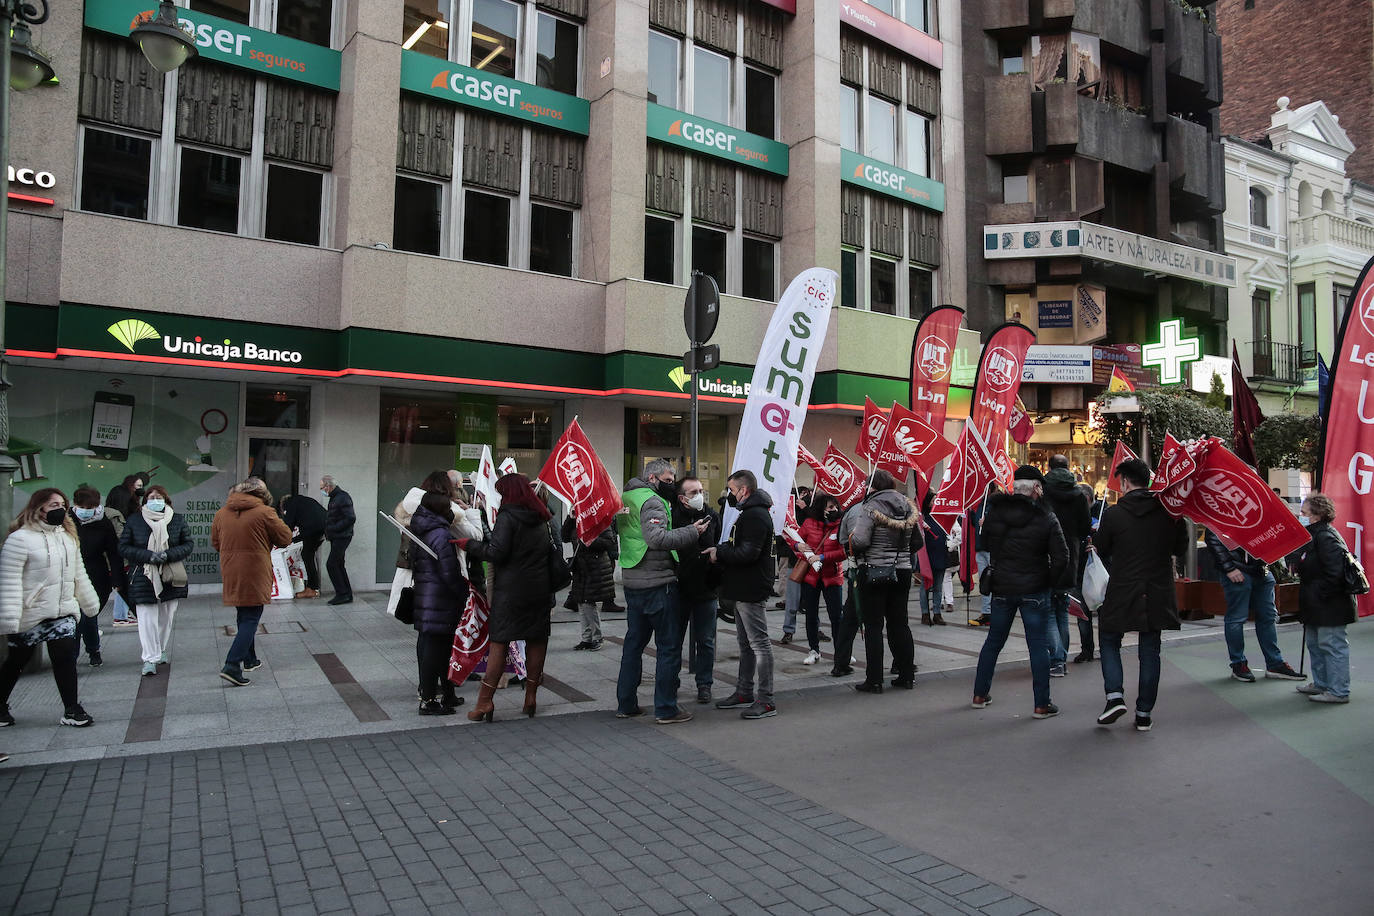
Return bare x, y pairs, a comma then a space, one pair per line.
1198, 598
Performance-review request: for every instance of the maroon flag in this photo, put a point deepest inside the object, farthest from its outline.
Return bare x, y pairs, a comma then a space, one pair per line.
966, 480
577, 475
1021, 427
1346, 469
932, 361
1245, 413
1122, 453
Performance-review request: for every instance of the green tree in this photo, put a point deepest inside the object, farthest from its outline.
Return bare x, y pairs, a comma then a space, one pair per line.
1288, 440
1173, 409
1216, 398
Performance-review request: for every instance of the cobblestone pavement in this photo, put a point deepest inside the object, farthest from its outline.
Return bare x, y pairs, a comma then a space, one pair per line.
559, 815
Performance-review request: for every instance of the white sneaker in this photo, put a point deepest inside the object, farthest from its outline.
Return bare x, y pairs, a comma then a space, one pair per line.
853, 660
811, 657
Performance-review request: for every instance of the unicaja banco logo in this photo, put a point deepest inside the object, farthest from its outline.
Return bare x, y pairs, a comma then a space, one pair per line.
132, 330
679, 377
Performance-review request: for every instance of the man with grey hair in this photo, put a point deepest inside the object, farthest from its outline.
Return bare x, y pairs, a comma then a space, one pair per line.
648, 548
338, 529
1028, 555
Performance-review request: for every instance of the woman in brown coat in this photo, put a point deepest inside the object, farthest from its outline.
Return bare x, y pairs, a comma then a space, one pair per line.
244, 532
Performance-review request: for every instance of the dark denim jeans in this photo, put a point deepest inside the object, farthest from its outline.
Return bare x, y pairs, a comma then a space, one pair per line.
1113, 679
243, 649
701, 653
1035, 617
651, 612
1253, 596
1058, 630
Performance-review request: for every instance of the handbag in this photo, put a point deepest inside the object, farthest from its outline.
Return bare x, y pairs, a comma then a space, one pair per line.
798, 572
560, 573
985, 581
1095, 579
880, 575
1353, 578
405, 605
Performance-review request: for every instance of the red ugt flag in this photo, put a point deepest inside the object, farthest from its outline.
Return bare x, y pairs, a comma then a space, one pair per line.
999, 378
1123, 453
577, 475
847, 477
932, 361
876, 445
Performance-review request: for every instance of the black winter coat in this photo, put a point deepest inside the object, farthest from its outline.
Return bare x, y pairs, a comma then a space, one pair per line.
340, 517
441, 592
1137, 541
133, 547
521, 593
698, 579
746, 559
100, 551
1227, 559
1071, 508
1025, 545
937, 544
307, 514
593, 566
1322, 598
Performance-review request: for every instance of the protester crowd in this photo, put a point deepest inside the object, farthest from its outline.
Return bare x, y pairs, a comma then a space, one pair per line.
681, 573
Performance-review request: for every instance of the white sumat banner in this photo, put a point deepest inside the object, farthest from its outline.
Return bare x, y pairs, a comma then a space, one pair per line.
781, 389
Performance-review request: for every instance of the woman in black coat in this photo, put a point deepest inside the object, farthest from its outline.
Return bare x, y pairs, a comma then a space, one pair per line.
519, 552
593, 582
1324, 606
440, 594
155, 543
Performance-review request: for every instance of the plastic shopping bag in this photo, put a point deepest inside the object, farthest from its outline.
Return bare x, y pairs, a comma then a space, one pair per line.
1094, 582
281, 576
295, 565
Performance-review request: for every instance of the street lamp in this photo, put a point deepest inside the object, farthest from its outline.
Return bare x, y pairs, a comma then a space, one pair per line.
162, 39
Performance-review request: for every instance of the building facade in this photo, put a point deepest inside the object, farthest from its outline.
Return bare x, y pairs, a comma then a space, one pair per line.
1095, 192
368, 238
1301, 230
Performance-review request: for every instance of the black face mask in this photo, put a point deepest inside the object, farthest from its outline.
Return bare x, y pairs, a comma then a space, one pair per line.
731, 501
665, 489
831, 514
55, 517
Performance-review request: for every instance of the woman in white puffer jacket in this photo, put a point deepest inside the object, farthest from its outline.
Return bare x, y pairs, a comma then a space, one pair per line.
43, 587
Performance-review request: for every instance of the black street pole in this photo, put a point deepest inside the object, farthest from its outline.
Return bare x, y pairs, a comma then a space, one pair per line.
692, 348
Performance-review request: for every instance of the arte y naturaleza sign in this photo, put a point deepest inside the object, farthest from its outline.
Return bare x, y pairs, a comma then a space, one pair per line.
1114, 246
472, 88
887, 179
228, 42
711, 138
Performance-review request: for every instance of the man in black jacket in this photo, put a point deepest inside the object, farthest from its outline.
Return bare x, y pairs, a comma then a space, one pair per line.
1028, 556
1249, 588
696, 580
306, 519
747, 567
1071, 507
338, 528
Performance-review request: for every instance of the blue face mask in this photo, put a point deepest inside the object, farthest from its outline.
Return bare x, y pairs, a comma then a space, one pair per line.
324, 493
87, 515
1305, 519
156, 504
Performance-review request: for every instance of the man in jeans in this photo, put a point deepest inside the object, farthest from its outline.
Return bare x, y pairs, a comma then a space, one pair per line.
647, 546
696, 584
1028, 556
1249, 589
1071, 507
1137, 542
746, 561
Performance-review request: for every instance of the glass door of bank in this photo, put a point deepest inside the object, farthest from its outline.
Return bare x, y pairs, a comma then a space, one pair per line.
279, 462
273, 438
668, 436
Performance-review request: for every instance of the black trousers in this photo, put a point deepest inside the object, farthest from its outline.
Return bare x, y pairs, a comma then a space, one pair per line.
338, 572
61, 652
848, 627
310, 547
432, 651
885, 605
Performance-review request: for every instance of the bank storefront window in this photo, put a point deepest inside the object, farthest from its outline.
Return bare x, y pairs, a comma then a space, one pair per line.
244, 153
515, 40
424, 431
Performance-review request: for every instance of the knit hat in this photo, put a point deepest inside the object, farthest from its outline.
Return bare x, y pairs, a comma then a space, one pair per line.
1029, 472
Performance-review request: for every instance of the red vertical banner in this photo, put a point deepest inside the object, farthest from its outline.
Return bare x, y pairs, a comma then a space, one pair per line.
932, 363
1347, 465
999, 379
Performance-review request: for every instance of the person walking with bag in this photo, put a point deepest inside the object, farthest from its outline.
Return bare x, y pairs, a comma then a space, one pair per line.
1325, 606
100, 554
881, 545
243, 532
441, 593
520, 552
43, 588
156, 541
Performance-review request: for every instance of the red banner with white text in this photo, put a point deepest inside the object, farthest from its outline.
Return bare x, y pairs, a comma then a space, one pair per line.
836, 474
966, 479
999, 379
916, 442
932, 363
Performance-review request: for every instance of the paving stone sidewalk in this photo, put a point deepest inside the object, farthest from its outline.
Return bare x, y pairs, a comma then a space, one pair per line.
569, 814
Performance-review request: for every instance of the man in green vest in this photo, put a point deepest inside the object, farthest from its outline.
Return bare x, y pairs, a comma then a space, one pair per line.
649, 575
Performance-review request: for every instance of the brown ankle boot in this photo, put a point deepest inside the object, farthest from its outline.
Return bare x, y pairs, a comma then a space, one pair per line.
535, 653
485, 708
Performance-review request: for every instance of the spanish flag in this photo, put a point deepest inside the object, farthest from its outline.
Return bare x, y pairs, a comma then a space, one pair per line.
1118, 381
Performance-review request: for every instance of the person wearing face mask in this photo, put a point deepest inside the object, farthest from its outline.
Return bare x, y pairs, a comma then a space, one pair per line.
821, 531
338, 529
43, 589
156, 542
697, 582
1324, 606
100, 554
126, 496
648, 546
787, 557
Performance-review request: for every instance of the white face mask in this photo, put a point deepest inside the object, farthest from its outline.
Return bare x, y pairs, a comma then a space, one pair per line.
697, 501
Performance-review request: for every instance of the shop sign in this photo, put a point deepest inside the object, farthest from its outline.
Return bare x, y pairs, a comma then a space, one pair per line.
892, 31
1061, 364
1200, 378
722, 382
1089, 314
188, 340
1114, 246
476, 426
1125, 357
711, 138
228, 42
887, 179
1172, 352
471, 88
1056, 313
32, 178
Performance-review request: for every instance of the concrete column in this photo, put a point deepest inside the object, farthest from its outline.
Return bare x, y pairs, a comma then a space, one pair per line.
952, 286
613, 181
603, 421
343, 443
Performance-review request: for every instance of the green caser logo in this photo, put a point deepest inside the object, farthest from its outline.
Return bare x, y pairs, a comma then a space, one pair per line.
131, 330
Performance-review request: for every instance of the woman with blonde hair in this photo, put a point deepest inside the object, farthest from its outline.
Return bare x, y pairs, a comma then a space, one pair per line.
244, 531
1324, 606
156, 542
43, 587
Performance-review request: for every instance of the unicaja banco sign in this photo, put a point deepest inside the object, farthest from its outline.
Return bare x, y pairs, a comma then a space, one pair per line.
887, 179
710, 138
227, 42
131, 331
472, 88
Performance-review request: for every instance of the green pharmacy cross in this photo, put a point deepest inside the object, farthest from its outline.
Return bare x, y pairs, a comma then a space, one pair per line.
1172, 351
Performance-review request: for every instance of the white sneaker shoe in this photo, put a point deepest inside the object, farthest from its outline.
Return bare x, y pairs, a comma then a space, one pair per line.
811, 657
